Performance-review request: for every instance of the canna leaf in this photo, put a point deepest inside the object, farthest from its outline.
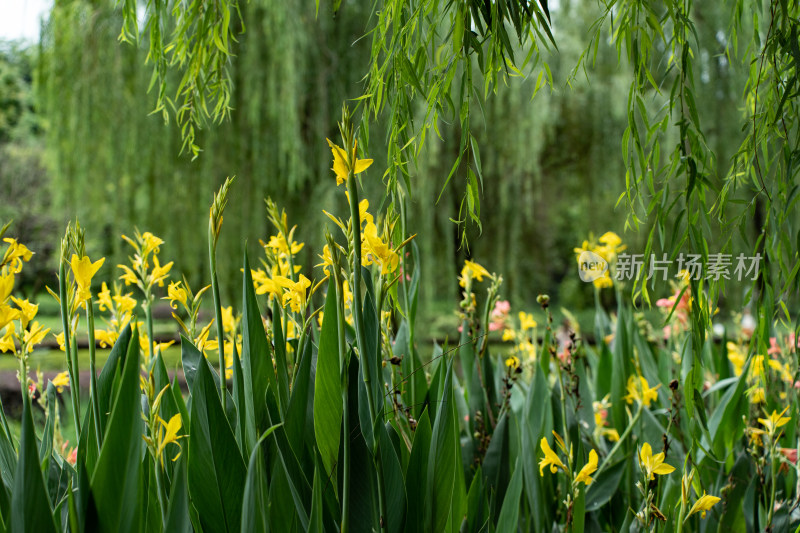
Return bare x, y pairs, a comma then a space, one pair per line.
116, 480
31, 511
215, 466
509, 513
328, 407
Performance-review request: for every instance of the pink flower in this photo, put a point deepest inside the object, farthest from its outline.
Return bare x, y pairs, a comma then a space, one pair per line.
773, 346
665, 302
790, 454
495, 326
502, 307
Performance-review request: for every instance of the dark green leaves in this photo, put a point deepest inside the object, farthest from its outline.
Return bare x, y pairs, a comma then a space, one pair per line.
215, 466
117, 478
327, 387
31, 510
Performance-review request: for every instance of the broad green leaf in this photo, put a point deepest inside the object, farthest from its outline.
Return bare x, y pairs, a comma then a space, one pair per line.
31, 510
299, 487
417, 474
108, 380
394, 487
327, 387
509, 513
281, 369
496, 465
215, 466
442, 462
117, 478
255, 502
178, 519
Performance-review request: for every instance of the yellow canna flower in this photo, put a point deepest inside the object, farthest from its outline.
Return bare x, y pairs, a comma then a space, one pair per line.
176, 293
264, 284
7, 314
27, 310
167, 434
279, 244
512, 362
34, 336
84, 270
550, 458
653, 464
380, 250
60, 340
703, 504
15, 254
61, 381
342, 164
756, 395
202, 342
6, 286
228, 321
105, 337
150, 243
604, 281
474, 271
7, 343
294, 292
585, 475
639, 390
736, 357
128, 276
508, 335
104, 301
125, 303
774, 421
526, 321
160, 273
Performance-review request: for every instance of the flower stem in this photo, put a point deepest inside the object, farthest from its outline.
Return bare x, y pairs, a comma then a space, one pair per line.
160, 490
93, 402
72, 369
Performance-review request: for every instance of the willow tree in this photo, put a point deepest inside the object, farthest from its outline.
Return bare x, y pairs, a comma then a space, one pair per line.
709, 114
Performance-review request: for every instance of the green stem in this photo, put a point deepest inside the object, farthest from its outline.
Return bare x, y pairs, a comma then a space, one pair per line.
74, 388
360, 338
621, 439
148, 314
23, 374
563, 400
773, 449
160, 490
93, 401
218, 314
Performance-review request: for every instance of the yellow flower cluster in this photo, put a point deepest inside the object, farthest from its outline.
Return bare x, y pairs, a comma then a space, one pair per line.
27, 332
140, 272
